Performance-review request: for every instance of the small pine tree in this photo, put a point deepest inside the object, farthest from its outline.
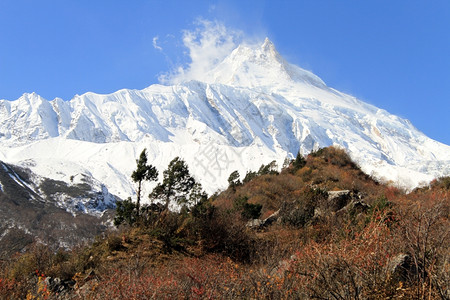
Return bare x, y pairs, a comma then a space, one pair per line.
270, 168
143, 172
249, 176
177, 185
233, 179
299, 162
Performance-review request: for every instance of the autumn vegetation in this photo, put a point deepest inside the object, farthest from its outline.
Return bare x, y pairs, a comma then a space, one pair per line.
377, 242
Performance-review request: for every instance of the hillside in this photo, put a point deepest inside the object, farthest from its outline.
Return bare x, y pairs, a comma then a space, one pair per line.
36, 209
321, 228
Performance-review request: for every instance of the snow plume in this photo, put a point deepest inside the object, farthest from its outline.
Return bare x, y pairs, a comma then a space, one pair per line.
207, 45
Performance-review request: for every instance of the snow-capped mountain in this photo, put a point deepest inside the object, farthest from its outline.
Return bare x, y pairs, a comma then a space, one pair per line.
253, 107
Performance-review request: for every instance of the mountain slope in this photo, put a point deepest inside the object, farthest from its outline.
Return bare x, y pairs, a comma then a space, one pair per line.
253, 108
51, 212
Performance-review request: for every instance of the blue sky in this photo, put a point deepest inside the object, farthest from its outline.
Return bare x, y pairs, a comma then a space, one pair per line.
393, 54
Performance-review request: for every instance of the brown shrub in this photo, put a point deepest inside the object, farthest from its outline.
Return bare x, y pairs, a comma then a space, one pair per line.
424, 235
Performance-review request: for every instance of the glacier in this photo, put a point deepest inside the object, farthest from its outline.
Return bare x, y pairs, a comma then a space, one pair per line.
252, 108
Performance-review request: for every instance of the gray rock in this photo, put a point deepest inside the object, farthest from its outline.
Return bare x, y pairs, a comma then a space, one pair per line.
402, 267
272, 218
338, 199
259, 224
255, 223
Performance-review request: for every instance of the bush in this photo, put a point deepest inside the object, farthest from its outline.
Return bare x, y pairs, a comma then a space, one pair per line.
223, 232
114, 243
442, 183
169, 231
248, 211
251, 211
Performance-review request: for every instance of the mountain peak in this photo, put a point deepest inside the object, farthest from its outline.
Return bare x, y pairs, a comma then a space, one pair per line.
259, 66
268, 46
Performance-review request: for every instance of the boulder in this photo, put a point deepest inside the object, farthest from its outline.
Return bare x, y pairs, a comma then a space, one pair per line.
59, 286
255, 223
272, 218
338, 199
402, 267
259, 224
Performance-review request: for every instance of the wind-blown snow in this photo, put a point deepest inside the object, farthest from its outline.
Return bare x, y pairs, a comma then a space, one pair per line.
253, 107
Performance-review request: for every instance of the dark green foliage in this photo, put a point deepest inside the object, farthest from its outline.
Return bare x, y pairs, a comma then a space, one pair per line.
269, 169
126, 212
381, 207
381, 204
239, 202
233, 179
177, 185
202, 209
248, 211
249, 176
167, 232
143, 172
299, 162
318, 153
251, 211
197, 194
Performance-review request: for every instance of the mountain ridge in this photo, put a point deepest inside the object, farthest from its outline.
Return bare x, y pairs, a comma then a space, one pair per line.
255, 107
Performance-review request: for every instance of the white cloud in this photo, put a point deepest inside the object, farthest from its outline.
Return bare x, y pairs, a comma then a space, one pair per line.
155, 43
207, 46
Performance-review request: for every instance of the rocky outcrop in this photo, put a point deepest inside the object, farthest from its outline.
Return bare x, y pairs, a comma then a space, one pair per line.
333, 202
259, 224
403, 268
58, 286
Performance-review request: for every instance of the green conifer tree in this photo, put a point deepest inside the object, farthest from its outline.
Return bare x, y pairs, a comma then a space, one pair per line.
143, 172
176, 186
233, 179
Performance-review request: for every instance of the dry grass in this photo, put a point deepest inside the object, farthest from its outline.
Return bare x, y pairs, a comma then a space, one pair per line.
209, 253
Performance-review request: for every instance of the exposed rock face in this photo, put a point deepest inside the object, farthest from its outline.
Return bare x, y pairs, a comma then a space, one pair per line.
259, 224
402, 267
31, 211
333, 202
338, 199
58, 286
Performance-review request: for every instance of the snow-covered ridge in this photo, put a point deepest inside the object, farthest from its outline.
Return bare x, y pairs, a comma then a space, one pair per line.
255, 107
